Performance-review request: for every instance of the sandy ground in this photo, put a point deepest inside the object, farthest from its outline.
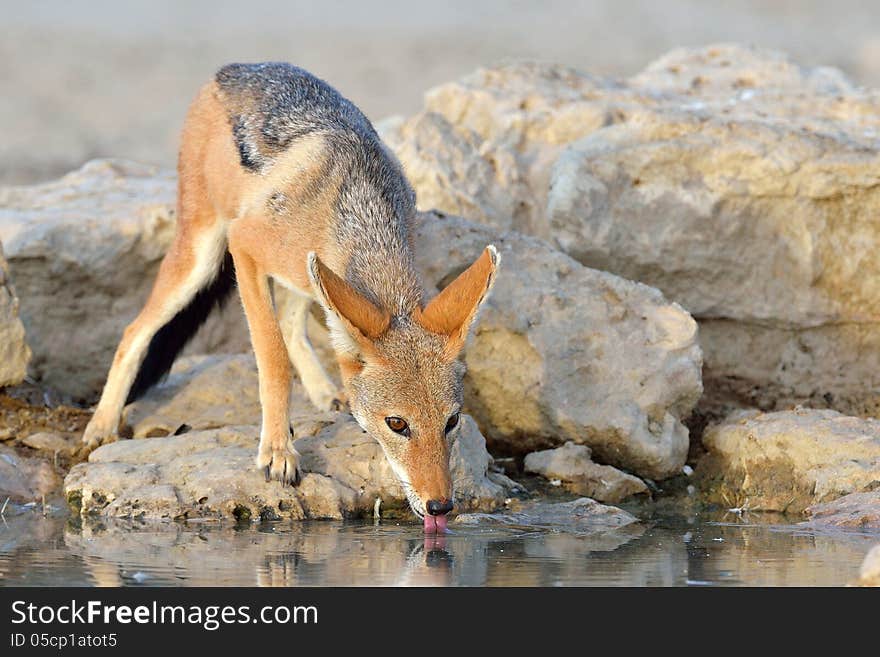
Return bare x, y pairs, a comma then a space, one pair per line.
106, 78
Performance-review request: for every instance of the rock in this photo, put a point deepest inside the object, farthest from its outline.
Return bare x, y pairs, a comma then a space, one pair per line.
728, 177
747, 222
789, 460
205, 392
869, 573
52, 442
574, 466
566, 353
24, 479
211, 474
484, 145
719, 72
857, 510
14, 351
83, 251
580, 516
447, 168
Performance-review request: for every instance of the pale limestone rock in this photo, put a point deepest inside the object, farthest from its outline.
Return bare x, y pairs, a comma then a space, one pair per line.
211, 474
14, 351
743, 186
51, 442
563, 353
83, 251
205, 392
789, 460
574, 467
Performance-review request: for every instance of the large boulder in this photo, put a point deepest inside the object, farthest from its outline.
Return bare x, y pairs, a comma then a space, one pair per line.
789, 460
14, 351
728, 177
83, 251
484, 145
211, 474
564, 353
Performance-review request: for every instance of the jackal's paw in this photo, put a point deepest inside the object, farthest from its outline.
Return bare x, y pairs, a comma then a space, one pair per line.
280, 463
99, 431
339, 402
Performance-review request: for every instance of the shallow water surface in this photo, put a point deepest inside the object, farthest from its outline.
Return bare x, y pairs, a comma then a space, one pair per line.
671, 551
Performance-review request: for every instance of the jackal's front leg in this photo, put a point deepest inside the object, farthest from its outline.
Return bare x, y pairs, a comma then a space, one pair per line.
276, 454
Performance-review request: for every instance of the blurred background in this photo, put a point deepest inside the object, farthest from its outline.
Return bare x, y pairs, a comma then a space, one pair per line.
107, 78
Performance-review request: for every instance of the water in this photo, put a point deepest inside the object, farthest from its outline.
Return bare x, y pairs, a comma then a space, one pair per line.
701, 550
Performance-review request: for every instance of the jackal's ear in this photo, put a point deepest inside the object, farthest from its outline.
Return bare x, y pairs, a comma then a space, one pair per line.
452, 312
353, 320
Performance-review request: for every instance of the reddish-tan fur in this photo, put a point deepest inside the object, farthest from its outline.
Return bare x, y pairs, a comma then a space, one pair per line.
369, 320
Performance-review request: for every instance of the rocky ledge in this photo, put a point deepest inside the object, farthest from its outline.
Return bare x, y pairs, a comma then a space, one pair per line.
211, 474
789, 460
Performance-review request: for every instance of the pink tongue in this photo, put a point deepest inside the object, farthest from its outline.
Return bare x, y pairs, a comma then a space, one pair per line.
435, 524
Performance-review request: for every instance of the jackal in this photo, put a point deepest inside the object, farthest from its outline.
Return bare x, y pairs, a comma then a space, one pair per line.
281, 177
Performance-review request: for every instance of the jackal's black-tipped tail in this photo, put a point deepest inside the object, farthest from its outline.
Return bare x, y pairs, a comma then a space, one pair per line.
170, 340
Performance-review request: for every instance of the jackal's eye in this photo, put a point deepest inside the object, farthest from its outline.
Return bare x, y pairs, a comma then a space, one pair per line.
397, 425
452, 422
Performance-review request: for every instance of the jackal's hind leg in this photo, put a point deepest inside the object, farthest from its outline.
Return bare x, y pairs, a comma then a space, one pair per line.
276, 453
193, 259
322, 392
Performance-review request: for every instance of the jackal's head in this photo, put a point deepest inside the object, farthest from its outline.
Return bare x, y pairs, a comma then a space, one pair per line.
403, 377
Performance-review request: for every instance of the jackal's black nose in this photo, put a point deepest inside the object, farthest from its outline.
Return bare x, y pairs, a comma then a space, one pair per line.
438, 507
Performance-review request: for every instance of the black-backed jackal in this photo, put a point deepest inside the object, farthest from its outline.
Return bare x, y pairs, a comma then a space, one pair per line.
282, 176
